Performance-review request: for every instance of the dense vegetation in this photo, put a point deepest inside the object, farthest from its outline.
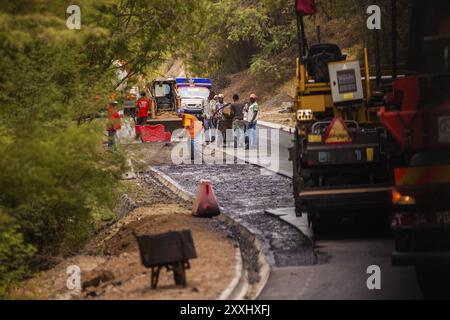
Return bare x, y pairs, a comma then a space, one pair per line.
262, 36
56, 178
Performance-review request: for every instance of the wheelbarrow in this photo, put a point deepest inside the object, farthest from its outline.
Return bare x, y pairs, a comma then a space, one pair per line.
171, 250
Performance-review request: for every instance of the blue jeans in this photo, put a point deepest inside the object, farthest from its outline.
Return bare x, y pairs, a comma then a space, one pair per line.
209, 129
112, 139
195, 147
239, 132
251, 133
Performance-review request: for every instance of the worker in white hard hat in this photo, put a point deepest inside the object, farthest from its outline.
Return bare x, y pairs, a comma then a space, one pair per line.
252, 111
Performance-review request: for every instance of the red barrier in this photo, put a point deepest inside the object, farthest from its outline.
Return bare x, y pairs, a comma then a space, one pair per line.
205, 205
154, 133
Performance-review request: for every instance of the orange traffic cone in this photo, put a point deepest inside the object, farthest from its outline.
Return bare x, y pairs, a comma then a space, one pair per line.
205, 205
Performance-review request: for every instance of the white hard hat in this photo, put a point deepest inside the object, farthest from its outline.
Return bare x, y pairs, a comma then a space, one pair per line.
221, 96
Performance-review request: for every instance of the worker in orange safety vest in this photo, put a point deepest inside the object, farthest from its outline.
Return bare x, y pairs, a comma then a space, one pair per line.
114, 124
194, 128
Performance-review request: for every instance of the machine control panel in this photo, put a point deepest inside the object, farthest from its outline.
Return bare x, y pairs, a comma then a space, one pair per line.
345, 80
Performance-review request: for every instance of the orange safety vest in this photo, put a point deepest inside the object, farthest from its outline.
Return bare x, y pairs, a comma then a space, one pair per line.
192, 125
114, 122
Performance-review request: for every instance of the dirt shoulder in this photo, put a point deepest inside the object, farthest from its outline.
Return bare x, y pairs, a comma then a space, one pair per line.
278, 109
110, 263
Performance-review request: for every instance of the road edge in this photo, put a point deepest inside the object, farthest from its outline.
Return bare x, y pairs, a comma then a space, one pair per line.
274, 125
239, 287
254, 163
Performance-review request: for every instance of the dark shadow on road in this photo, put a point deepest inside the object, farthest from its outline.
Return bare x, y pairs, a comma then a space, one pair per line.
353, 225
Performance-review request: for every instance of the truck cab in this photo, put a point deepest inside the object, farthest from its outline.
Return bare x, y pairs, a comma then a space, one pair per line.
418, 118
193, 94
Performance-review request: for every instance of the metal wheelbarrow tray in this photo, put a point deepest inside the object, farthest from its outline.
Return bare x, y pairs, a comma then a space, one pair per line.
171, 250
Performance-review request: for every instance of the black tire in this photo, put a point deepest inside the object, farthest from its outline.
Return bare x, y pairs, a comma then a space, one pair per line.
296, 182
434, 281
317, 224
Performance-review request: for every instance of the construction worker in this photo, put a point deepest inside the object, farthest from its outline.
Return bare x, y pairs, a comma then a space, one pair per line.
237, 114
194, 129
220, 104
142, 107
252, 111
224, 114
208, 113
113, 125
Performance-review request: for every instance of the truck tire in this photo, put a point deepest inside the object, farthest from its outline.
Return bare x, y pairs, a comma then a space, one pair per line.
319, 224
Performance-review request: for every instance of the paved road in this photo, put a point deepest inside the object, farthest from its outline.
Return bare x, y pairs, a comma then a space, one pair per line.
276, 157
342, 269
284, 142
341, 272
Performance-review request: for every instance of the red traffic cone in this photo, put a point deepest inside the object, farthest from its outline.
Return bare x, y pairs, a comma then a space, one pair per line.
205, 205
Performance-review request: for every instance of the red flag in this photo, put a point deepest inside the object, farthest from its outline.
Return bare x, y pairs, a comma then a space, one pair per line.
305, 7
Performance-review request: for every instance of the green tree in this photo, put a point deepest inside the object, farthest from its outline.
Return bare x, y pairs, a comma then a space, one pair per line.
14, 253
55, 172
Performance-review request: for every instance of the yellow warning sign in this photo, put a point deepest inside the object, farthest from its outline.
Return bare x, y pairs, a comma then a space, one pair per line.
348, 96
337, 132
314, 138
369, 154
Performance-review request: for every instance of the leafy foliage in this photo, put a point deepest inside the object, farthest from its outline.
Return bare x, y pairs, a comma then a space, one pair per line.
56, 175
262, 35
13, 254
54, 169
238, 34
